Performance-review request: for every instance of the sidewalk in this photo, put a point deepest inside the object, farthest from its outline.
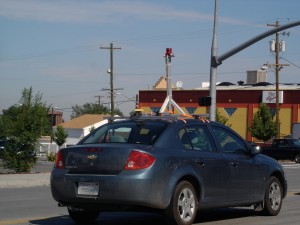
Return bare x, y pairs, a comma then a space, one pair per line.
39, 176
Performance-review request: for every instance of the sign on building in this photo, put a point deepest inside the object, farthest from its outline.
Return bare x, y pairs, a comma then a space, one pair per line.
270, 97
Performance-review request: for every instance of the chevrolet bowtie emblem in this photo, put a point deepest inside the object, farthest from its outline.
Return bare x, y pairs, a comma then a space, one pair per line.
92, 157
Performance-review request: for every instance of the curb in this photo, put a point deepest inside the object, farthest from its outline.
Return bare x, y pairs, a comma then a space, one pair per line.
39, 176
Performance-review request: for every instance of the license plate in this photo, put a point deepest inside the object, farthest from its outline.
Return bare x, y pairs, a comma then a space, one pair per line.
88, 188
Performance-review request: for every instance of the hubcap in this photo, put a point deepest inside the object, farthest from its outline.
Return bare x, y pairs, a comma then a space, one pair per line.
275, 196
186, 204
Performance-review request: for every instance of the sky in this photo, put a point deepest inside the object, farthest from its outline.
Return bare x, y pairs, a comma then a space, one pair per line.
54, 46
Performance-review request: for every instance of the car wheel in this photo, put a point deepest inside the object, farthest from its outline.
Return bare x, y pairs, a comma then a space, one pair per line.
297, 158
273, 197
81, 216
183, 206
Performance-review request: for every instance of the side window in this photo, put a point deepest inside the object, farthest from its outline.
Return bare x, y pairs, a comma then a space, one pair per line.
229, 142
282, 143
185, 140
196, 138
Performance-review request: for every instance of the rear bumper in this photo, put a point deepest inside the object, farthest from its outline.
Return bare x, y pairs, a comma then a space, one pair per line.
114, 191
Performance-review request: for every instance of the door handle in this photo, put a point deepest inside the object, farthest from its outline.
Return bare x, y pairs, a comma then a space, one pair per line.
199, 162
234, 164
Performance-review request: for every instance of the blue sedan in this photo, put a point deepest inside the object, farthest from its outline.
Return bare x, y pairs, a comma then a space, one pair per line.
169, 164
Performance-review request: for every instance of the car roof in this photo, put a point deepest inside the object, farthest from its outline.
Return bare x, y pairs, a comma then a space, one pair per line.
169, 118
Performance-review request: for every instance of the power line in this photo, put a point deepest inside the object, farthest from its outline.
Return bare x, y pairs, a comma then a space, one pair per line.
50, 53
176, 74
290, 62
133, 42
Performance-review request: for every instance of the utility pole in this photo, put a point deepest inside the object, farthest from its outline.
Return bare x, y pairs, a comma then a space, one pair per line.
111, 72
136, 101
278, 67
99, 100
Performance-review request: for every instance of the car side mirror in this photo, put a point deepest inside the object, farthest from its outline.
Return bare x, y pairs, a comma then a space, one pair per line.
255, 149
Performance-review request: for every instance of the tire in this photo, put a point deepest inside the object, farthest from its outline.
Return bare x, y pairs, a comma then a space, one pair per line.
182, 209
273, 197
297, 158
81, 216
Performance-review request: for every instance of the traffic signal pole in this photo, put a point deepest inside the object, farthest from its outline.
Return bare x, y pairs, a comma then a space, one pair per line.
169, 102
217, 60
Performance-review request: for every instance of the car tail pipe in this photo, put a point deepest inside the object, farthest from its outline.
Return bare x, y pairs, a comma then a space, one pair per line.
61, 204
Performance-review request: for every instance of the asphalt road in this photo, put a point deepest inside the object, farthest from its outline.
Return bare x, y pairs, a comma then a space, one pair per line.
35, 206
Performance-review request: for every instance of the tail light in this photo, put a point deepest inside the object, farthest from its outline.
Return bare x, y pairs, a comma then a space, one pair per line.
138, 160
59, 162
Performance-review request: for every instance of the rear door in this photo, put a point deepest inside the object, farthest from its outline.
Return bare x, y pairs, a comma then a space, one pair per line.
209, 164
285, 149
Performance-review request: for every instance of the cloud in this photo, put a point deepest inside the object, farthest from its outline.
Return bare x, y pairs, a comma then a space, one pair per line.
79, 11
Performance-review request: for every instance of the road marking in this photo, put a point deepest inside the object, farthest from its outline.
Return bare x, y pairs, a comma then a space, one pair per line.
19, 221
292, 193
291, 165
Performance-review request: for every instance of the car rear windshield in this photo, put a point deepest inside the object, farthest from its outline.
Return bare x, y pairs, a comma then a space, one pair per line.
126, 132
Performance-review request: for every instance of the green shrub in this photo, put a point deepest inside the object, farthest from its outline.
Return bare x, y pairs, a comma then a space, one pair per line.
51, 157
19, 155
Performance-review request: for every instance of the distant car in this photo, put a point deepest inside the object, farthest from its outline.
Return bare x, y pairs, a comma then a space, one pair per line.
2, 144
170, 164
284, 149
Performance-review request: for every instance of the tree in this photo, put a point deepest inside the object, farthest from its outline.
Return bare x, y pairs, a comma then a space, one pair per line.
221, 119
263, 127
92, 108
59, 136
22, 125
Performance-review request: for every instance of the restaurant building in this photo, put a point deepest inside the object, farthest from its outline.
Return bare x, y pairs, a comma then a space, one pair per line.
237, 102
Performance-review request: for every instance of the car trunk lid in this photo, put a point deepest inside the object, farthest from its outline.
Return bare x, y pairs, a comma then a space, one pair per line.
104, 159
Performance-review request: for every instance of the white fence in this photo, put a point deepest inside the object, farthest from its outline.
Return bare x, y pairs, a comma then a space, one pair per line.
46, 147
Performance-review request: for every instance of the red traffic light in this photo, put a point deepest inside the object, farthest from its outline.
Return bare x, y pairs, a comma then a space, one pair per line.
169, 52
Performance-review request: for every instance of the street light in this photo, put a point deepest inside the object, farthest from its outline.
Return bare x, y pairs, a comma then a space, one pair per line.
129, 99
217, 60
